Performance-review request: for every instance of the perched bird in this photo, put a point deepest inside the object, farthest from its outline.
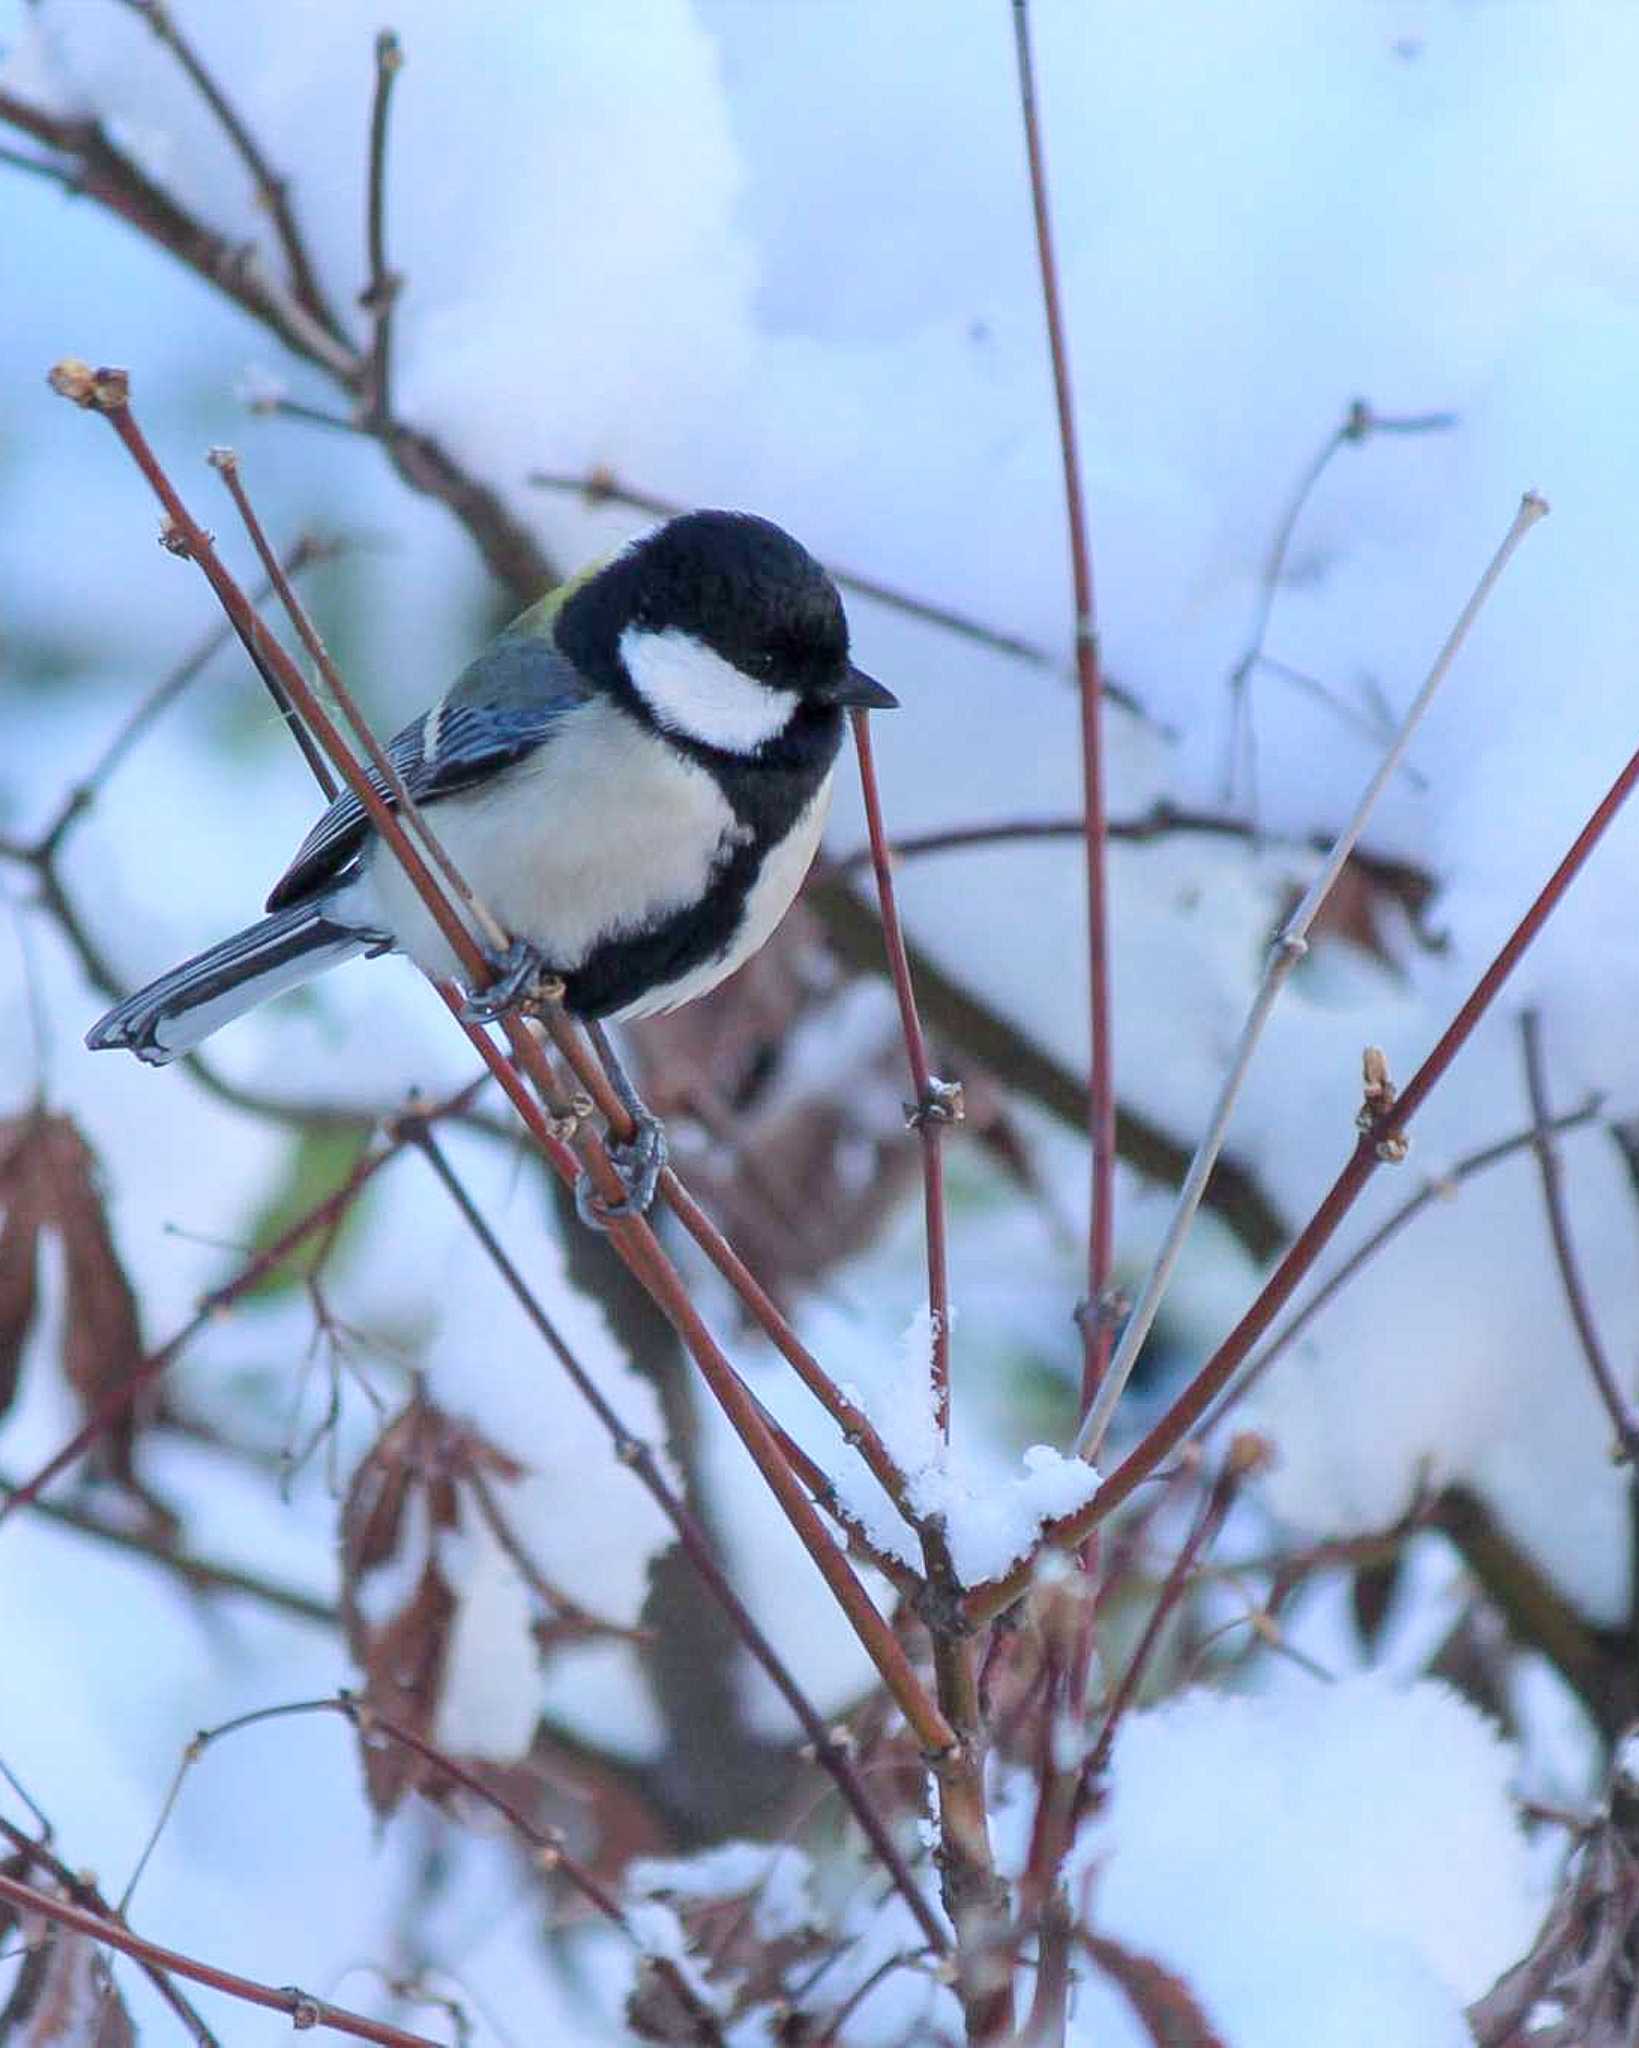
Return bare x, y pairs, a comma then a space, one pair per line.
632, 779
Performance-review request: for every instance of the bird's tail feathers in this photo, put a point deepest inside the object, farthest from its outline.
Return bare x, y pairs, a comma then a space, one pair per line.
173, 1014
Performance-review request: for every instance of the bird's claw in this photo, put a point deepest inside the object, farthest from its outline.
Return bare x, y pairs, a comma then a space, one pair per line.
522, 978
638, 1164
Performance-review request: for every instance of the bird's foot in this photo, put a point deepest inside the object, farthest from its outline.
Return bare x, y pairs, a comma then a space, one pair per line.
638, 1164
522, 980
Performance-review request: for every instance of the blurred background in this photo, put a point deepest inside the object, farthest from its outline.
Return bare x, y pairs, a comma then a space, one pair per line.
1341, 283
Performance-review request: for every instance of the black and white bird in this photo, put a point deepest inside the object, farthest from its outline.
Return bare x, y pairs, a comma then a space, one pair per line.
632, 778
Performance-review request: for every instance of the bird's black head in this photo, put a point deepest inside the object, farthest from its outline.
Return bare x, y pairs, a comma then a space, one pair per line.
725, 630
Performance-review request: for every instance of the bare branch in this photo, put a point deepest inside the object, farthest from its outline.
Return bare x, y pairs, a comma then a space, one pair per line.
1289, 947
1160, 1441
937, 1104
1358, 424
305, 2011
272, 191
1098, 1320
381, 294
1617, 1405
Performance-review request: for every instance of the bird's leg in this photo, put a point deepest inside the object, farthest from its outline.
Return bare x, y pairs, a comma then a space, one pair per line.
522, 975
639, 1162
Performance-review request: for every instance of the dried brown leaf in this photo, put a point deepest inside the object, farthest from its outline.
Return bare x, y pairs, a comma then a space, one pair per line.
1165, 2006
423, 1460
48, 1182
65, 1997
19, 1249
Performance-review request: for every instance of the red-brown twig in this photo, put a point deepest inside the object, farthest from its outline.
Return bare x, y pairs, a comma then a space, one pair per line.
1098, 1320
106, 392
1246, 1456
1192, 1404
304, 2010
1617, 1405
1290, 945
1439, 1189
118, 1400
550, 1851
937, 1103
831, 1753
82, 1892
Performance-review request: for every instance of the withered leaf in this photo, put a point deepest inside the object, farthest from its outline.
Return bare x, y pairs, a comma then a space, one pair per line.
1163, 2003
64, 1996
422, 1458
48, 1182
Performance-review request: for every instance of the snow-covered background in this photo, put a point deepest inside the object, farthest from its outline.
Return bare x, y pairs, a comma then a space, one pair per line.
779, 257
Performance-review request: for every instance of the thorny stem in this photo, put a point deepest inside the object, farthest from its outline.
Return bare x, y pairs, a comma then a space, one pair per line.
1617, 1405
1290, 945
937, 1103
831, 1754
305, 2011
226, 463
1097, 1321
1068, 1530
1439, 1189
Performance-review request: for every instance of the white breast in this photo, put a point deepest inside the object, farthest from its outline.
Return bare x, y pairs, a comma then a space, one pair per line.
604, 830
770, 897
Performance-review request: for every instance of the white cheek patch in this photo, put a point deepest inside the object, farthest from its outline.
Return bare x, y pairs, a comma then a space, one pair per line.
693, 691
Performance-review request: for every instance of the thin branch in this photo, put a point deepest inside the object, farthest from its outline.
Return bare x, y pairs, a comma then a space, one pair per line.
119, 1399
200, 1574
599, 487
1410, 886
1617, 1405
83, 1892
1439, 1189
1246, 1456
1357, 425
550, 1851
111, 177
106, 392
830, 1751
304, 2010
302, 555
1098, 1319
1290, 946
996, 1042
272, 191
381, 294
937, 1104
1385, 1131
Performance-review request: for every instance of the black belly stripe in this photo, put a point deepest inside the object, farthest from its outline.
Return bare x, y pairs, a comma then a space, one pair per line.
767, 795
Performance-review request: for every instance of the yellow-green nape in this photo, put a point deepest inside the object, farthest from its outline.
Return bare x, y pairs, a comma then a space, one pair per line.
536, 622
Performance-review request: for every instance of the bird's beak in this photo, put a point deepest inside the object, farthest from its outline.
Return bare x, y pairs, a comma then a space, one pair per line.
864, 693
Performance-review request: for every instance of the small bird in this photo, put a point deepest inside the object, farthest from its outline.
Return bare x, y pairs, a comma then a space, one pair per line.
632, 779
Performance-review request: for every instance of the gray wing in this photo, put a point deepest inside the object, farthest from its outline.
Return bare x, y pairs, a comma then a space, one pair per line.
504, 706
